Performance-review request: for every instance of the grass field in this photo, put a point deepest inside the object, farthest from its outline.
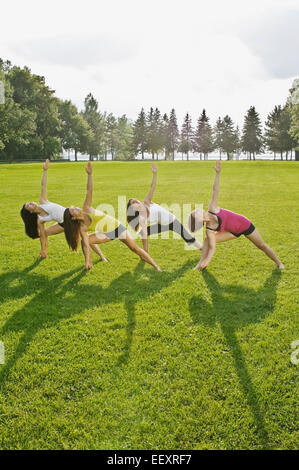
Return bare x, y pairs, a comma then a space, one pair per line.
124, 357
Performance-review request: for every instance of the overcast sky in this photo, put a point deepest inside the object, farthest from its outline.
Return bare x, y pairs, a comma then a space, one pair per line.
188, 54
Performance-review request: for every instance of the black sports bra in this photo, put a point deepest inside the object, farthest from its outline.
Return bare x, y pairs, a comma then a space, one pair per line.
219, 223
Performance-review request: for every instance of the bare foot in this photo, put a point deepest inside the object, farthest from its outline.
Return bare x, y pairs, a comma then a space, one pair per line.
281, 266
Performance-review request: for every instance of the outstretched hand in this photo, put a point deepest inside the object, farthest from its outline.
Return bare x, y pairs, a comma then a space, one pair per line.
218, 166
154, 168
88, 168
46, 164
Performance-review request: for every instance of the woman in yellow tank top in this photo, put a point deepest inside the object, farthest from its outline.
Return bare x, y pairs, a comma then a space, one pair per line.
95, 227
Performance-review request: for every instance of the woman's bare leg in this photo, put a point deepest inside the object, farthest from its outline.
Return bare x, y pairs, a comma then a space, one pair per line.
219, 237
257, 240
98, 251
54, 229
126, 238
97, 238
224, 237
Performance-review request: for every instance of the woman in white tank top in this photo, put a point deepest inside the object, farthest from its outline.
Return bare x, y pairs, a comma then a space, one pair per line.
161, 220
36, 215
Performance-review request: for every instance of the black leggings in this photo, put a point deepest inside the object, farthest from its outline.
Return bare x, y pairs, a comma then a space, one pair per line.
175, 226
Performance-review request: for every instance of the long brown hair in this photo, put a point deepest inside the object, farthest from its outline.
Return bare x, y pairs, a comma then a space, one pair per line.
30, 221
132, 216
71, 230
193, 224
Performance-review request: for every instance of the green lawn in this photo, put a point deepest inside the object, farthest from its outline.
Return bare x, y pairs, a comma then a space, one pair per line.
124, 357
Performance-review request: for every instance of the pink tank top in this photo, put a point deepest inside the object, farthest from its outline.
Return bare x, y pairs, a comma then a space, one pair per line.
231, 222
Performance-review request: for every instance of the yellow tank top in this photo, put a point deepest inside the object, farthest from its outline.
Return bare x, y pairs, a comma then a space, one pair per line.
101, 222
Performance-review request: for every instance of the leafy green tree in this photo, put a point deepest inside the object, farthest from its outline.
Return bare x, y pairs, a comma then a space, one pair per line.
75, 131
203, 137
123, 148
286, 139
32, 94
17, 125
83, 134
293, 102
252, 138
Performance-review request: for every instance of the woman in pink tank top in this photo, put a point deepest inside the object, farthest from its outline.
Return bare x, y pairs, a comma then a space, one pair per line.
223, 225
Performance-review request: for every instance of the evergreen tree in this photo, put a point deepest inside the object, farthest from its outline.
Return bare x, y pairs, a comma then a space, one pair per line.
203, 138
230, 137
164, 136
238, 142
186, 144
277, 131
218, 136
97, 125
151, 132
252, 140
157, 132
140, 139
172, 134
111, 134
271, 129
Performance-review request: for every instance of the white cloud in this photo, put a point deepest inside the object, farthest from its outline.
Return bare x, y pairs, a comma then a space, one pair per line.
165, 53
76, 51
275, 39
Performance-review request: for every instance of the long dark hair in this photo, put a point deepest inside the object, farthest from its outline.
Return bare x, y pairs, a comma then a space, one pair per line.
194, 224
30, 221
71, 230
132, 216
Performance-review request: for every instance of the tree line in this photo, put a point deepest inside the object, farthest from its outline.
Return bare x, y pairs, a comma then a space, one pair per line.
35, 124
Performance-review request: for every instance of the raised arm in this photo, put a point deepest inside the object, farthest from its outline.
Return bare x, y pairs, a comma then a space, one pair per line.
150, 194
43, 195
214, 201
88, 199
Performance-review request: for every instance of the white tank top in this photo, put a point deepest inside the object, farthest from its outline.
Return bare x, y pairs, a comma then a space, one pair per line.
159, 215
55, 212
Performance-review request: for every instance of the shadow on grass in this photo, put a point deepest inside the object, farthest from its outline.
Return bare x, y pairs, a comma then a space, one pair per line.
235, 307
135, 287
53, 300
